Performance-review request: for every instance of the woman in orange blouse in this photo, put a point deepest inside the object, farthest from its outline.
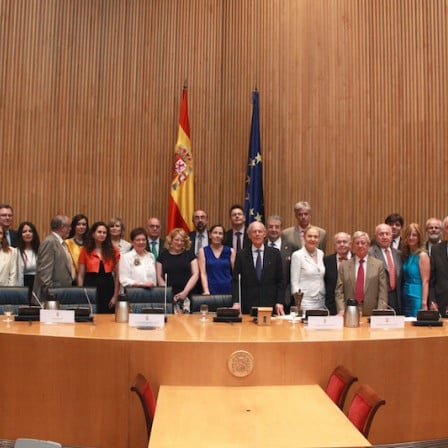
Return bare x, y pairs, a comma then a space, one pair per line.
98, 267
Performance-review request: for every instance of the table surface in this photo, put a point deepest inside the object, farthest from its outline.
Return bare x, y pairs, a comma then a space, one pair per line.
273, 416
189, 328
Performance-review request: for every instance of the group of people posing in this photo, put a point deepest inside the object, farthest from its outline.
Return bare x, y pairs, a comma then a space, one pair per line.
259, 265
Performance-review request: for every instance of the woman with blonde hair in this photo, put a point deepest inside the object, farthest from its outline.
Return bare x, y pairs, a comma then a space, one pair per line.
416, 271
180, 268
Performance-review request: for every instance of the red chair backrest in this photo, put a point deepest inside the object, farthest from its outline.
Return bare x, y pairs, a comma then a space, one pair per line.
338, 385
363, 408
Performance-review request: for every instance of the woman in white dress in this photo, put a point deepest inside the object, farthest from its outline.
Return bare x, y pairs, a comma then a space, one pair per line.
308, 270
138, 267
8, 262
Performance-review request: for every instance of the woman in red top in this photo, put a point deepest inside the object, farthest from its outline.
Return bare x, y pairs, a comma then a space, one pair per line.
98, 267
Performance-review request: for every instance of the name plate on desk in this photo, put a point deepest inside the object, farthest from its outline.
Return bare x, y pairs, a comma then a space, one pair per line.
385, 322
57, 316
325, 322
147, 320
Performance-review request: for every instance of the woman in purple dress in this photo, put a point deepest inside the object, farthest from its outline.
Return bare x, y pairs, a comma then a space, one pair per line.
216, 263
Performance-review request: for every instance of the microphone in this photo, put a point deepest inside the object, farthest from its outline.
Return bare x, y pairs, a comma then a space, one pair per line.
166, 279
37, 300
239, 292
326, 309
88, 301
386, 309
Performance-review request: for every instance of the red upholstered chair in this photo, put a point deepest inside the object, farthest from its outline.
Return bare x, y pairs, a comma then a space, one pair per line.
145, 393
363, 408
338, 385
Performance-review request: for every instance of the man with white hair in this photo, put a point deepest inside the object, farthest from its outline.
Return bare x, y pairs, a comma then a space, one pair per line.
260, 270
362, 278
294, 235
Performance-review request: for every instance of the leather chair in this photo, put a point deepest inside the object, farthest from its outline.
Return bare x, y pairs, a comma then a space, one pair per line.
15, 296
144, 298
338, 385
75, 297
363, 408
213, 301
145, 393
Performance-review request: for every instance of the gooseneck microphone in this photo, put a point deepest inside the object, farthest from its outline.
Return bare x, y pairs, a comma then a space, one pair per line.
37, 300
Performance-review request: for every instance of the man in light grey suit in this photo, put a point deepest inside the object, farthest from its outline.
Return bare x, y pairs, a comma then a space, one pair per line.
373, 291
294, 235
388, 255
54, 266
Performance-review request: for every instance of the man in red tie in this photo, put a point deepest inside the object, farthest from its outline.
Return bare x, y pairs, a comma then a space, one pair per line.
363, 278
392, 263
342, 247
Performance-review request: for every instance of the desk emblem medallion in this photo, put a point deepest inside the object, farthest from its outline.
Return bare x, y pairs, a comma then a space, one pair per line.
241, 363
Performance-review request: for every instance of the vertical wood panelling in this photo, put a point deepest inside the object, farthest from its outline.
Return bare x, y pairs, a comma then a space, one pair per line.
353, 104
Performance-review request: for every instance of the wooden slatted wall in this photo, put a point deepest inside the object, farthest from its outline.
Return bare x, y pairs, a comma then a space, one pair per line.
353, 103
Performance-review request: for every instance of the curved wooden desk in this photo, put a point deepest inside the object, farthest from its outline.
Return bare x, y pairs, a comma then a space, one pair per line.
71, 382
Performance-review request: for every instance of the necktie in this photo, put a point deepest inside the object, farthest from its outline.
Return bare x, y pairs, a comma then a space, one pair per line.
258, 265
154, 249
200, 236
392, 274
273, 244
341, 259
359, 288
238, 241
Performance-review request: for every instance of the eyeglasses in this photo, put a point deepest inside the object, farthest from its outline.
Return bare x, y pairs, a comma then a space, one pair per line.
6, 215
154, 226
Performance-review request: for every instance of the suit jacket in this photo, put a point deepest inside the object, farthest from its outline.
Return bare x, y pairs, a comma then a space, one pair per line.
161, 246
265, 292
394, 297
292, 235
438, 283
13, 236
8, 267
192, 236
54, 268
375, 286
228, 239
286, 251
330, 279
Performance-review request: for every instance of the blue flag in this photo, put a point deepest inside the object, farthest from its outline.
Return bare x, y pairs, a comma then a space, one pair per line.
254, 199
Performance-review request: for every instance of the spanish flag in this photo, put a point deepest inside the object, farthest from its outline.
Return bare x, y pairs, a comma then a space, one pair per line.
182, 188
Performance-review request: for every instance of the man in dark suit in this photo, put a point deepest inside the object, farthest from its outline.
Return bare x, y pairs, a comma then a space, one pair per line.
392, 263
438, 284
237, 237
433, 232
261, 272
54, 265
274, 233
154, 243
6, 219
199, 236
342, 247
368, 285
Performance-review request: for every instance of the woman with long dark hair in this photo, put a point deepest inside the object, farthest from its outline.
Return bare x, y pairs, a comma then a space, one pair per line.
28, 243
98, 267
77, 237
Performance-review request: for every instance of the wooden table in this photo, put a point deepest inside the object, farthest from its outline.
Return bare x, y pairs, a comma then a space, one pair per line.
258, 416
70, 382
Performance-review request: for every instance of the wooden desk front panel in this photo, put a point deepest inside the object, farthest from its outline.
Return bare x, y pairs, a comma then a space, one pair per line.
71, 383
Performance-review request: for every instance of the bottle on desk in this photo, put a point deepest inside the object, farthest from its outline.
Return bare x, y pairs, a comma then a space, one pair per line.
351, 314
122, 309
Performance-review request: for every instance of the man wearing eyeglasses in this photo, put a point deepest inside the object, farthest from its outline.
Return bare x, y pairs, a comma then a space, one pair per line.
6, 219
154, 243
54, 264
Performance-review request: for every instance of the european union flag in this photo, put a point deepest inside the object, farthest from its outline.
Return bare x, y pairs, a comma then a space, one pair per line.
254, 200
